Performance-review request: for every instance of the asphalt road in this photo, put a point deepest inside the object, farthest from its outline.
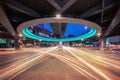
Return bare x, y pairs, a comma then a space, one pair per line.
62, 64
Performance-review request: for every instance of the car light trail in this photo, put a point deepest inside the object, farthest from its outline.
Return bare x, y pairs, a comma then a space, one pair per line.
73, 65
101, 59
107, 59
19, 67
89, 65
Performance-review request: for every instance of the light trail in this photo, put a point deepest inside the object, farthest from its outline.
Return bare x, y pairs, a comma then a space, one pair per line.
99, 58
2, 70
72, 64
25, 59
102, 53
21, 66
78, 60
89, 65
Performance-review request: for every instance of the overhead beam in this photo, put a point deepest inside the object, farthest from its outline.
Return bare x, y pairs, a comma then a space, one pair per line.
5, 22
55, 28
97, 9
53, 3
114, 23
102, 12
21, 8
68, 4
61, 9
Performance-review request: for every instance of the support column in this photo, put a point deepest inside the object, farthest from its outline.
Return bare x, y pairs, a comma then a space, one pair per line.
60, 29
17, 46
103, 44
34, 43
60, 45
8, 43
60, 34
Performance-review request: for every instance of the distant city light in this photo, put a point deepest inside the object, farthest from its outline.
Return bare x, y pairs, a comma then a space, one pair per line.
86, 27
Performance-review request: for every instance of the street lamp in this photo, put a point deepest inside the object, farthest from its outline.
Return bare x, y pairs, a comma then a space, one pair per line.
86, 27
20, 35
99, 34
58, 15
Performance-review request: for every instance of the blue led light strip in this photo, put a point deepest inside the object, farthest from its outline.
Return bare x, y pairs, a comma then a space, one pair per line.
29, 34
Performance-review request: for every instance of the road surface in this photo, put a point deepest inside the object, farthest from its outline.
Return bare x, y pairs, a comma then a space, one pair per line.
65, 63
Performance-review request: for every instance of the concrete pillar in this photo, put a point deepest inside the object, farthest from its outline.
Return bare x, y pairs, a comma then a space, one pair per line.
16, 44
60, 34
34, 43
8, 41
60, 29
103, 44
60, 44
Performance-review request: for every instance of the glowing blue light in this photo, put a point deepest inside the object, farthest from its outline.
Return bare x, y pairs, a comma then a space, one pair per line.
29, 34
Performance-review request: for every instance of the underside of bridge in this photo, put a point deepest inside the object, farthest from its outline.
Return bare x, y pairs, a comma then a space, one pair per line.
103, 12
